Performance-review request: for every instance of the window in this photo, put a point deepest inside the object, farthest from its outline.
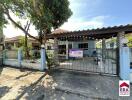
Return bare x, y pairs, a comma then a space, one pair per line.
83, 45
62, 49
49, 47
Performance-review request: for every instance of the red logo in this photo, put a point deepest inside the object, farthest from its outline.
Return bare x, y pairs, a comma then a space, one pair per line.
124, 88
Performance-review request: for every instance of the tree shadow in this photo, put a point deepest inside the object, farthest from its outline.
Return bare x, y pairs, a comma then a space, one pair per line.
43, 88
4, 90
32, 93
1, 69
27, 89
24, 75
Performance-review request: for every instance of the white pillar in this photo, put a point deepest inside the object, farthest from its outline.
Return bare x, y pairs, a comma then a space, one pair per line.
19, 57
120, 36
43, 59
124, 63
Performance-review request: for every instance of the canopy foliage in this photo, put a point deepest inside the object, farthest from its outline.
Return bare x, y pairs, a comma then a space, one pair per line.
43, 14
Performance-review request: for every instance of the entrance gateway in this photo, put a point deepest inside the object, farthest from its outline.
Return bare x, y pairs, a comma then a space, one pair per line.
102, 60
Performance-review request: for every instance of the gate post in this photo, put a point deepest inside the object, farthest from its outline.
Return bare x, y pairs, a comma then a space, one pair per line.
124, 63
19, 57
119, 44
43, 59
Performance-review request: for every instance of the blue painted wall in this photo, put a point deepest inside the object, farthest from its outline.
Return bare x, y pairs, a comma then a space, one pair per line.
91, 46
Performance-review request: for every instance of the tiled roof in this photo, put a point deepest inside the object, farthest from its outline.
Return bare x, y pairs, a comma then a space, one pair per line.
13, 38
59, 31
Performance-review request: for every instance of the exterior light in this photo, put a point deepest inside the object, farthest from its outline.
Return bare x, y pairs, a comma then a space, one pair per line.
42, 46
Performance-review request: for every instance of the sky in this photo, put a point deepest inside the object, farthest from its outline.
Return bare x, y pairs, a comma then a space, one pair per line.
89, 14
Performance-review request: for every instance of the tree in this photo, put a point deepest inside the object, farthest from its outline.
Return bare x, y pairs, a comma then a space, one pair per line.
44, 14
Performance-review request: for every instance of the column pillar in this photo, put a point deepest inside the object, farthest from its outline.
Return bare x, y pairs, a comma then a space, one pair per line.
124, 63
43, 59
103, 48
67, 49
19, 57
119, 44
56, 59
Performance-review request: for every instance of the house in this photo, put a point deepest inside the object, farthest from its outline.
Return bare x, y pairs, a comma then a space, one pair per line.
14, 42
85, 44
111, 43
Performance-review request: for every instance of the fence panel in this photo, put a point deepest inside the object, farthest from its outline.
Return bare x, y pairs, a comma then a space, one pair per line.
32, 61
10, 58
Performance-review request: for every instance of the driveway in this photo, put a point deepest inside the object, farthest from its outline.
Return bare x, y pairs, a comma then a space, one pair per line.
91, 86
18, 84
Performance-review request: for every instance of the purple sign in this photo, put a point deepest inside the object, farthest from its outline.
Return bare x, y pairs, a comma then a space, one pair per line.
78, 53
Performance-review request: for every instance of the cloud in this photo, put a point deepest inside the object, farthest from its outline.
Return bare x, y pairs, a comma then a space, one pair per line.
80, 24
84, 15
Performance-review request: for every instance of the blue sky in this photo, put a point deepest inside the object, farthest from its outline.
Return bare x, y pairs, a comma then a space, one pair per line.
100, 13
88, 14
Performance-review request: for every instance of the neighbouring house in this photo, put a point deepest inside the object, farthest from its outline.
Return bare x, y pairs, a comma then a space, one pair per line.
112, 43
14, 42
109, 43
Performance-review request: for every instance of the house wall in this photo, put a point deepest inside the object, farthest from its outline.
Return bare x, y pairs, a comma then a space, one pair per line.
88, 51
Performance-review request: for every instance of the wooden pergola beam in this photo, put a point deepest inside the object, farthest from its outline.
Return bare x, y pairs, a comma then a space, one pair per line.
96, 33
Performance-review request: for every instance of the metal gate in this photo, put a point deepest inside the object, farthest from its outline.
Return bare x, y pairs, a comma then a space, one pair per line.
102, 61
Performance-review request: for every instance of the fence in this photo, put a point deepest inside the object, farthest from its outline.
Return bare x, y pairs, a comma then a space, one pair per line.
17, 58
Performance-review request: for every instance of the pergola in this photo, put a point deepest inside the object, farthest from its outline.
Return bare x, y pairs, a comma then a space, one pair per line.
98, 33
93, 34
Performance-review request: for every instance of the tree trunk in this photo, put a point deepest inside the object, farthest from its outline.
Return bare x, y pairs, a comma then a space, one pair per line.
26, 47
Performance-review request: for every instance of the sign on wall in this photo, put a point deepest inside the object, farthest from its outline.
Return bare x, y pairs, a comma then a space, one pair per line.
78, 53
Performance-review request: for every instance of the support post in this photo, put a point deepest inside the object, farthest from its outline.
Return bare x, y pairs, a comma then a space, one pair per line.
124, 63
56, 59
103, 48
120, 36
43, 59
67, 49
19, 57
